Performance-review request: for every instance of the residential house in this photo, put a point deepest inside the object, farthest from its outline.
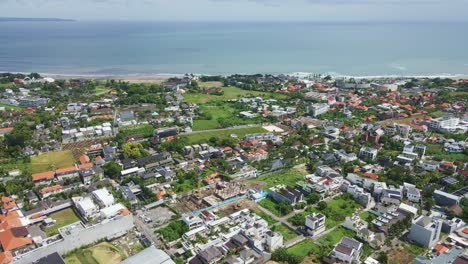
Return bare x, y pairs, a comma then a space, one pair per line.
315, 224
425, 231
283, 193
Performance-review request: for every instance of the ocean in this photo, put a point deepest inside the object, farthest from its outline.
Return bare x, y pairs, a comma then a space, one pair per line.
146, 48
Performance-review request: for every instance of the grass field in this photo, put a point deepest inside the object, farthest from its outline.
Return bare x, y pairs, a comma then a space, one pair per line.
285, 231
229, 93
337, 210
196, 138
265, 217
273, 207
304, 248
367, 216
12, 107
288, 177
63, 218
335, 236
102, 253
57, 159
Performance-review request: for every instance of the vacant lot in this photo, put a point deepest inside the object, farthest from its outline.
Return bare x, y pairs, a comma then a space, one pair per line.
265, 217
285, 231
304, 248
288, 177
12, 107
51, 160
102, 253
63, 218
200, 137
335, 236
229, 93
279, 209
404, 253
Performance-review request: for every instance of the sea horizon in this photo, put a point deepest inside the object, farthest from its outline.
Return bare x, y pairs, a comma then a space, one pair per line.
338, 48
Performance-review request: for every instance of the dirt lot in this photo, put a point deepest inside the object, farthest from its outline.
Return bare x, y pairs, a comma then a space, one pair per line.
231, 208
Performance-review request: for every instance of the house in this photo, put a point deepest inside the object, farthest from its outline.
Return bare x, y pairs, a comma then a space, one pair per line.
425, 231
445, 199
87, 175
428, 165
43, 177
318, 109
368, 153
412, 193
348, 250
128, 194
283, 193
314, 224
66, 173
48, 191
86, 207
103, 197
210, 255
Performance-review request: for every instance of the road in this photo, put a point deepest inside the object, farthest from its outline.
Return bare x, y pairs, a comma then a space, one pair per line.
143, 228
222, 129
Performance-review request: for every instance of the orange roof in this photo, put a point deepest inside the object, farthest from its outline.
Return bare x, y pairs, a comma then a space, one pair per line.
440, 249
5, 257
6, 129
11, 242
43, 176
65, 170
124, 212
51, 189
102, 117
98, 158
84, 159
370, 175
36, 215
9, 215
86, 165
11, 223
8, 203
465, 230
160, 194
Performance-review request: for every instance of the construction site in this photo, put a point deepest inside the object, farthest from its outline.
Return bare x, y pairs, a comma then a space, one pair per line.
210, 196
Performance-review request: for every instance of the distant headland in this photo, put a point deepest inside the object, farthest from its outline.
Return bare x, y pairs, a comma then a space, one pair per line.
34, 19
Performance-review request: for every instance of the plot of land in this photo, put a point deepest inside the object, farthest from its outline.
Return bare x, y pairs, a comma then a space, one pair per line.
404, 253
102, 253
304, 248
200, 137
335, 236
229, 93
12, 107
265, 217
63, 218
285, 231
51, 160
288, 177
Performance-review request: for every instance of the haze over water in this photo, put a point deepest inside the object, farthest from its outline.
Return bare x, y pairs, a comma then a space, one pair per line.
127, 48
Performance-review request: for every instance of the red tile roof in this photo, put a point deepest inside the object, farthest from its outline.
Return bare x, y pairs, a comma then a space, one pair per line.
43, 176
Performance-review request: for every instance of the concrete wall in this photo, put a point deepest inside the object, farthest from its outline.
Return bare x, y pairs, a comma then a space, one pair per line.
78, 237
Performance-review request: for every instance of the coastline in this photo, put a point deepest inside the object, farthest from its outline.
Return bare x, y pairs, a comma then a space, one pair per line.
159, 77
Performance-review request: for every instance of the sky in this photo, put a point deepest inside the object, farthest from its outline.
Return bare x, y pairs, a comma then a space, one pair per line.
240, 10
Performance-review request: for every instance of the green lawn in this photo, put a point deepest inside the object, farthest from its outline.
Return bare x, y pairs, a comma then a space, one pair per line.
304, 248
229, 93
299, 218
288, 177
338, 209
63, 218
265, 217
273, 207
222, 115
50, 160
335, 236
365, 216
285, 231
12, 107
201, 137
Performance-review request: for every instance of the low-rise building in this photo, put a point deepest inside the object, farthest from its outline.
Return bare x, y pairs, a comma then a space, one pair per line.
425, 231
315, 224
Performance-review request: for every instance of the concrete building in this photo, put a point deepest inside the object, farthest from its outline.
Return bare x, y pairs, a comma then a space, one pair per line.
445, 199
425, 231
283, 193
445, 124
86, 207
368, 153
318, 109
273, 241
103, 197
347, 250
77, 235
314, 224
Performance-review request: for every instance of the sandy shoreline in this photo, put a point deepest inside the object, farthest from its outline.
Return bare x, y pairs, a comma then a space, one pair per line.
158, 78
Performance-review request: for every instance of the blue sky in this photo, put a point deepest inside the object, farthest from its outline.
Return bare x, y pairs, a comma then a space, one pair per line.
239, 10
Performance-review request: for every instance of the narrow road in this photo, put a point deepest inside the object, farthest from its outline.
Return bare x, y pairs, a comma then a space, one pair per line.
142, 227
222, 129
